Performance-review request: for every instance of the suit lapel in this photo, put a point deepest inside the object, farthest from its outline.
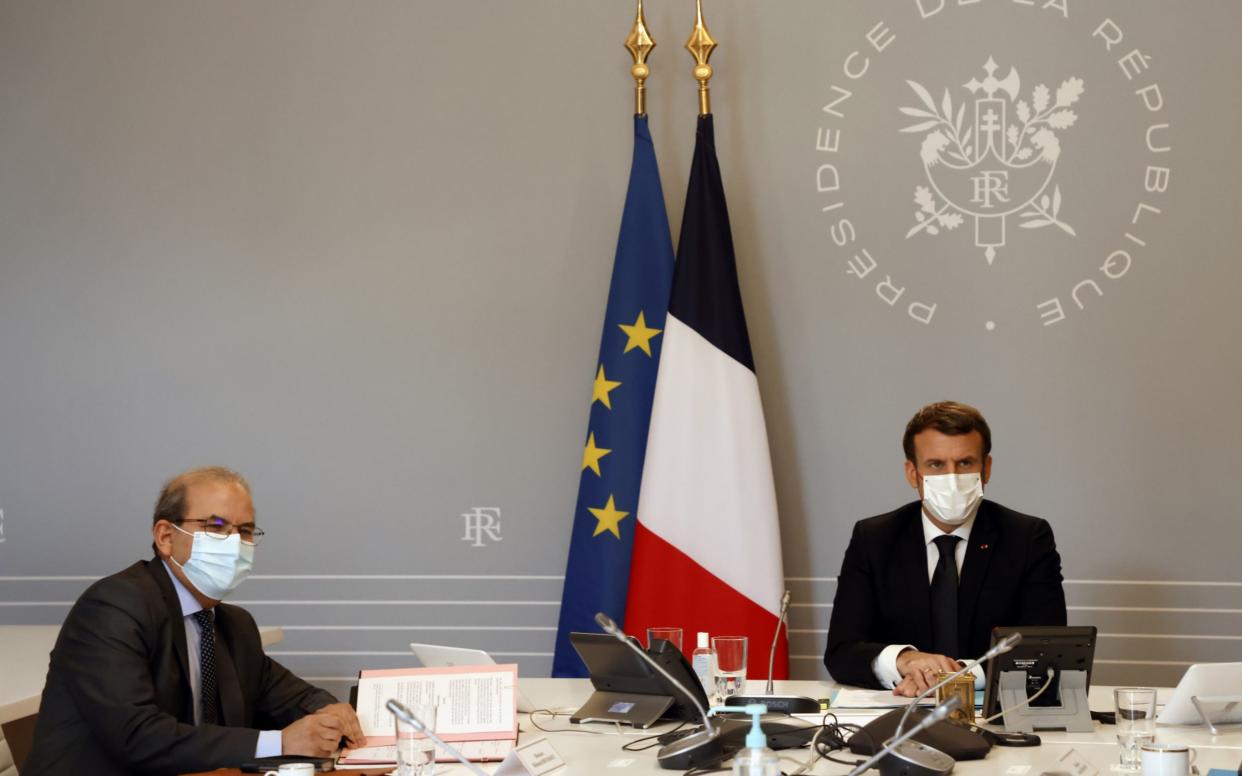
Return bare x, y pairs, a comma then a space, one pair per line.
912, 562
176, 623
979, 554
232, 706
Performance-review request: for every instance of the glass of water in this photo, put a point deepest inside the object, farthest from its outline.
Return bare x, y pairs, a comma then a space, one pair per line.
730, 665
672, 635
1136, 723
416, 752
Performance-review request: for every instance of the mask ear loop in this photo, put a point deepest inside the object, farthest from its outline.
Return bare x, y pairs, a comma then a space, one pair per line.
170, 555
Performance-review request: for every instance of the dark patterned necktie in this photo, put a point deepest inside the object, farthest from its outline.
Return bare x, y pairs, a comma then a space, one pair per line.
207, 667
944, 599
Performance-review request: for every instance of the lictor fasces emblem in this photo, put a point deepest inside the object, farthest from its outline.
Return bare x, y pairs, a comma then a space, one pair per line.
1000, 164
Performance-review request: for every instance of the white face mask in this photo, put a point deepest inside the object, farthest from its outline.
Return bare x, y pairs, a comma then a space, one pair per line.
952, 498
217, 566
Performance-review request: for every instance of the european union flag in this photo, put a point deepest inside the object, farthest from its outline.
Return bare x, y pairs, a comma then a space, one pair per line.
598, 572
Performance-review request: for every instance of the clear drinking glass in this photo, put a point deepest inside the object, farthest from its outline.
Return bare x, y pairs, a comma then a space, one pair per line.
668, 634
730, 665
1136, 722
416, 752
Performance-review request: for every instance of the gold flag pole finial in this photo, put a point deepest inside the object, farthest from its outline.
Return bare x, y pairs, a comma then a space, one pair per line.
700, 46
639, 43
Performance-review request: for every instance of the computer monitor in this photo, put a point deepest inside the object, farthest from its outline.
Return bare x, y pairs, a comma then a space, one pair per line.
1059, 647
623, 679
1217, 688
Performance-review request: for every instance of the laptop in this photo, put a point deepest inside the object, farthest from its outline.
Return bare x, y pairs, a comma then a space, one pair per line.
439, 656
1218, 686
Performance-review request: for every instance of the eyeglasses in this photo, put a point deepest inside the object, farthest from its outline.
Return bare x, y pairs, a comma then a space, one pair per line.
219, 528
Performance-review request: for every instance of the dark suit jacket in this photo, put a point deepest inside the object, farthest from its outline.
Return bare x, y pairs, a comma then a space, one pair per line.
1011, 575
118, 698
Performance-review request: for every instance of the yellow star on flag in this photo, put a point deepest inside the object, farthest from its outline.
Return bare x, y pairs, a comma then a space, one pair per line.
639, 335
591, 455
602, 387
608, 518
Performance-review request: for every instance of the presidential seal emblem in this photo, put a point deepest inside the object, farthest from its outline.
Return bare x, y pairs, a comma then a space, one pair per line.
1033, 205
999, 164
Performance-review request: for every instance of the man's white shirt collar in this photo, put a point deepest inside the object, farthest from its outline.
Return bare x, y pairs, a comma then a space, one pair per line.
930, 531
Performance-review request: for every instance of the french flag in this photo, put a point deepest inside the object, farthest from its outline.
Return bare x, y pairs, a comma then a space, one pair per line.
707, 552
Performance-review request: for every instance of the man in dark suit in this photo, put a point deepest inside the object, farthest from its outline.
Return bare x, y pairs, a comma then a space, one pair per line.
151, 674
922, 587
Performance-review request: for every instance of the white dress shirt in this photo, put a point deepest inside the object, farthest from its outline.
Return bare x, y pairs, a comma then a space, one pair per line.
885, 664
270, 743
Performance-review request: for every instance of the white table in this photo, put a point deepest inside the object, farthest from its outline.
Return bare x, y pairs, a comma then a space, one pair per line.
24, 653
601, 755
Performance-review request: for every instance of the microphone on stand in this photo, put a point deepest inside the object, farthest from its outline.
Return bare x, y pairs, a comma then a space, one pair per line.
789, 704
401, 711
770, 687
918, 759
1000, 648
915, 757
695, 749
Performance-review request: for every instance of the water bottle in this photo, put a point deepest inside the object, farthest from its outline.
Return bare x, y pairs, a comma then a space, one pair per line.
703, 661
756, 759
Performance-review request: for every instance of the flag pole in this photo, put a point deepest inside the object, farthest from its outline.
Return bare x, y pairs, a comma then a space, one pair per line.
640, 43
700, 46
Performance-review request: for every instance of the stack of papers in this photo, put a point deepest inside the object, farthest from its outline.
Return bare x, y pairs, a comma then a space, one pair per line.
853, 698
477, 710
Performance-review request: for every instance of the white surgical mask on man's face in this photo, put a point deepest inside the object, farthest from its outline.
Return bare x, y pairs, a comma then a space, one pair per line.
952, 498
216, 566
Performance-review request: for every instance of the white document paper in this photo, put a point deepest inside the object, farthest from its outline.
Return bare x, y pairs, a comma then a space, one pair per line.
475, 703
853, 698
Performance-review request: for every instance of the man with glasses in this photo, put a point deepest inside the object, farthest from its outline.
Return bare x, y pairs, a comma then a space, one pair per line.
151, 673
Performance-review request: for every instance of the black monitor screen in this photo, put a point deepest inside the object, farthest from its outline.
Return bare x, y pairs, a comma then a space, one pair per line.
614, 667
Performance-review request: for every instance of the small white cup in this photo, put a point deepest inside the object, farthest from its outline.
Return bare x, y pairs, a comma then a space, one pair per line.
293, 769
1167, 759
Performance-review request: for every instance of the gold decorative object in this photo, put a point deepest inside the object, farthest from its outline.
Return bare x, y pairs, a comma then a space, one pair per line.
963, 688
700, 46
640, 43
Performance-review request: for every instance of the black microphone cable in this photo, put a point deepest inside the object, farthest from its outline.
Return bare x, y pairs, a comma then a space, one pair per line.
642, 745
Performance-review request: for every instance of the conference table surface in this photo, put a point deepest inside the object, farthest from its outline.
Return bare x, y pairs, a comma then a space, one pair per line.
599, 752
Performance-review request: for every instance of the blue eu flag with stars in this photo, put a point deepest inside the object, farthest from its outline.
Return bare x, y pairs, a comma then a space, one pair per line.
598, 572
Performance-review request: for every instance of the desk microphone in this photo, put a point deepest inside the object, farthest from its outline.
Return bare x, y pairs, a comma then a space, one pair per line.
402, 712
914, 757
910, 756
790, 704
698, 748
1001, 647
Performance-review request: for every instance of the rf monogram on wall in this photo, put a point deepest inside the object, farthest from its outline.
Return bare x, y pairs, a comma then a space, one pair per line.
482, 525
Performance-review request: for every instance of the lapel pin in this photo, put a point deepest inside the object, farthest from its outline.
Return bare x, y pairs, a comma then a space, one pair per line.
983, 546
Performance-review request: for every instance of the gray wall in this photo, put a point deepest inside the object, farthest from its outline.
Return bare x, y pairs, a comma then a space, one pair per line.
360, 251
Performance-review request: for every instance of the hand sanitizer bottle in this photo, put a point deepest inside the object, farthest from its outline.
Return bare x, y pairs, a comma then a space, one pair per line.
703, 661
756, 759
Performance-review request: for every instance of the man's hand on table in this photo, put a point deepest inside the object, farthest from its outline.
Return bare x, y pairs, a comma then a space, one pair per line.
918, 671
319, 734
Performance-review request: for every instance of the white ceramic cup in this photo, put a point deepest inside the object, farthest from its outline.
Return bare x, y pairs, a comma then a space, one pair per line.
1166, 759
293, 769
